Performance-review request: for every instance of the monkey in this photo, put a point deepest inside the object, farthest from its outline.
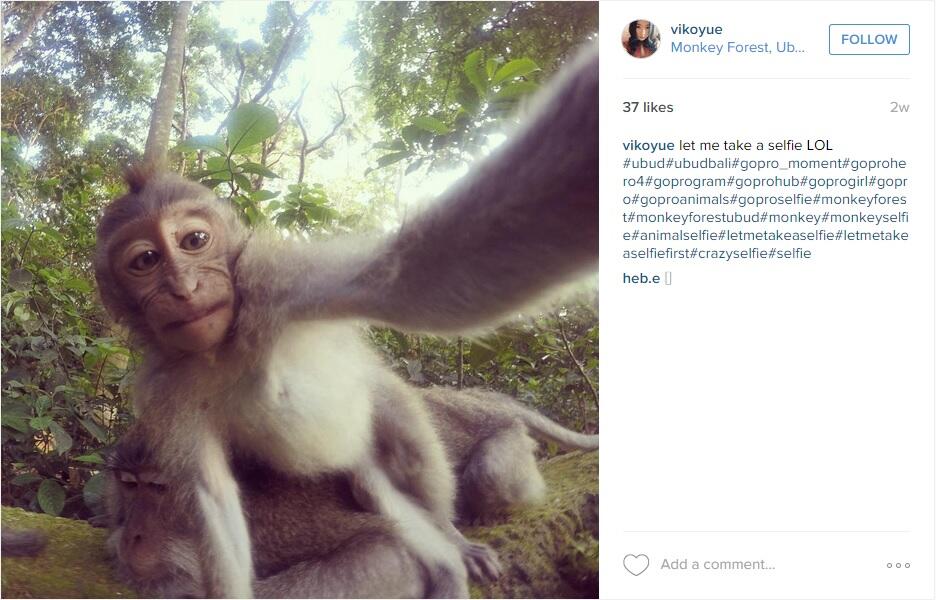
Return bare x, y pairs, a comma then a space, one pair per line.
309, 537
297, 524
250, 346
488, 438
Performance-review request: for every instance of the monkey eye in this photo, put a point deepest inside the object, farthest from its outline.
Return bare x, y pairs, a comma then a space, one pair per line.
145, 262
159, 488
195, 240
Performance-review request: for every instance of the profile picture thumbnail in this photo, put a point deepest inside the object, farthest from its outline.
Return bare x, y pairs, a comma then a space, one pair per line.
641, 38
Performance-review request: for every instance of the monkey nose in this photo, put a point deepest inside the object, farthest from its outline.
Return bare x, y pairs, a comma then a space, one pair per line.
183, 285
140, 557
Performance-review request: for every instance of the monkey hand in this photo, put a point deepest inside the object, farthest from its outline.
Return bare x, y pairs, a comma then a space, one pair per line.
481, 561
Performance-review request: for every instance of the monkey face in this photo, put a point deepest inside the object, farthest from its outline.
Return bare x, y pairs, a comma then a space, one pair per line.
174, 267
154, 533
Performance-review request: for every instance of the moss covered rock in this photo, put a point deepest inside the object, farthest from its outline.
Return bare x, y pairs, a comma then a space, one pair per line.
73, 565
550, 551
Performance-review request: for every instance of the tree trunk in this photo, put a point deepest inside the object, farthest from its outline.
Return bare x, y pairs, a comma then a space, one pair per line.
37, 10
157, 141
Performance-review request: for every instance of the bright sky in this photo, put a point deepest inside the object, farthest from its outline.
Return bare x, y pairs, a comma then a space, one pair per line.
327, 62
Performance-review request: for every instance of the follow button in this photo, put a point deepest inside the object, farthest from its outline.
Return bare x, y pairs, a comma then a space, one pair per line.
869, 39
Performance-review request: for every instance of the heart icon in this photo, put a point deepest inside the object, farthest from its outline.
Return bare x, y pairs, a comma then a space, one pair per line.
636, 564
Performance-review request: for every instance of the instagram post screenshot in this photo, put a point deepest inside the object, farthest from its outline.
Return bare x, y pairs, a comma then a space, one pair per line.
300, 299
767, 301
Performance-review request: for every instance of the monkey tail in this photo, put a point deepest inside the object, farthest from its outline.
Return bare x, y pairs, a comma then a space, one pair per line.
547, 429
22, 543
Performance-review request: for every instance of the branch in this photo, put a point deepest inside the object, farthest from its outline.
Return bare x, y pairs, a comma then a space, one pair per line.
578, 365
240, 78
11, 48
278, 64
344, 115
292, 109
302, 149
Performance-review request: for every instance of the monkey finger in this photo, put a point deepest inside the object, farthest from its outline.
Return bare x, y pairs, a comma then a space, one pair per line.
481, 561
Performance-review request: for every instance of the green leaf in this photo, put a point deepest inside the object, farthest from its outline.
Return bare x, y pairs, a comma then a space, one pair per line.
242, 182
22, 313
214, 143
476, 73
40, 423
479, 354
63, 441
51, 497
94, 429
42, 403
491, 65
396, 145
93, 492
262, 195
212, 183
515, 68
401, 340
25, 479
51, 232
286, 218
431, 124
413, 134
250, 124
50, 275
514, 90
93, 458
20, 424
217, 164
467, 97
388, 159
78, 284
254, 216
256, 169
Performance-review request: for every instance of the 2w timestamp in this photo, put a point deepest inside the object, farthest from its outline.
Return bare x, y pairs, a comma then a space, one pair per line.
646, 106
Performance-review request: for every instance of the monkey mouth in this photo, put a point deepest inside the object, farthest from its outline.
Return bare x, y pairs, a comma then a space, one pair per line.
196, 316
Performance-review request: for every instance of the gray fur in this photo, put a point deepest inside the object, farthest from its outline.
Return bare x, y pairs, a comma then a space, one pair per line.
489, 444
309, 537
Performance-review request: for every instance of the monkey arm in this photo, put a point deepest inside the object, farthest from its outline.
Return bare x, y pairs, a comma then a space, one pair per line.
523, 220
418, 530
226, 561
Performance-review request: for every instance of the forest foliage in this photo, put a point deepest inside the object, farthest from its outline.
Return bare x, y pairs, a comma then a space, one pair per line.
434, 84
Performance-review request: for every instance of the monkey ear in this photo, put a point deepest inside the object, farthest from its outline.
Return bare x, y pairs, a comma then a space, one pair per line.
137, 176
525, 219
